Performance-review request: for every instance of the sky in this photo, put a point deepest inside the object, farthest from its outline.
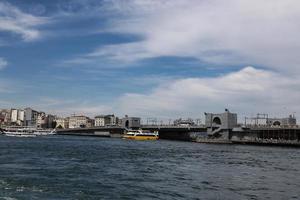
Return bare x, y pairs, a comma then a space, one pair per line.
151, 58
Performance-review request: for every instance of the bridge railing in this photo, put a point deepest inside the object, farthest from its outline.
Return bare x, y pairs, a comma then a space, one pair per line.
270, 126
171, 126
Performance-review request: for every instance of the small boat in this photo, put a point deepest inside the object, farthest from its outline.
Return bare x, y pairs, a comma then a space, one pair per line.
141, 135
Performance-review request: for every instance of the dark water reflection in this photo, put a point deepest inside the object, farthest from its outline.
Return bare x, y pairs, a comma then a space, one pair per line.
101, 168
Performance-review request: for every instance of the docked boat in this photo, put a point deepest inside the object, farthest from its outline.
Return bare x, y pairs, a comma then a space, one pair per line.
26, 132
141, 135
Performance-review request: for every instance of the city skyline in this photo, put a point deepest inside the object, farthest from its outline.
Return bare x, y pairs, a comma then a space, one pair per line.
150, 58
25, 117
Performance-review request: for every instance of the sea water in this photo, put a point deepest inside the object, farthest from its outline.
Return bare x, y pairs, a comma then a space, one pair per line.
73, 167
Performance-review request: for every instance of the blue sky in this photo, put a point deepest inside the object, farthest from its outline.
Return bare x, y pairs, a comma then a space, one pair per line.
150, 58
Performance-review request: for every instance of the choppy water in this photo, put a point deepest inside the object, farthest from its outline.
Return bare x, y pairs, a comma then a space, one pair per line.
65, 167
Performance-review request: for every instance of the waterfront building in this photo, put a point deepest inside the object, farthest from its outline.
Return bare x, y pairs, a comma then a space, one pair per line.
45, 121
51, 121
14, 115
62, 123
21, 115
100, 120
113, 120
41, 121
30, 117
90, 123
79, 121
5, 117
105, 120
17, 117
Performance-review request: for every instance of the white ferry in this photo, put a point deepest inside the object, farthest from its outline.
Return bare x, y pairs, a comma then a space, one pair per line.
27, 132
141, 135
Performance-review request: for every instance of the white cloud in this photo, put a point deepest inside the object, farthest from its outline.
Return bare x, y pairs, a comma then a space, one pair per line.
3, 63
229, 32
15, 21
66, 107
247, 92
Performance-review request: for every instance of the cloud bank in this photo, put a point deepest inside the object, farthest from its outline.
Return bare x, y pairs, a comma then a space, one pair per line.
233, 32
247, 92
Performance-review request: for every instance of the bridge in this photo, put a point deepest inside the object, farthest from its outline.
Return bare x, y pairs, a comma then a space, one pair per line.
264, 135
165, 131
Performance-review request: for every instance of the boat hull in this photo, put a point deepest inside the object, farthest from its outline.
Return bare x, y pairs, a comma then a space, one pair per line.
19, 135
140, 137
27, 132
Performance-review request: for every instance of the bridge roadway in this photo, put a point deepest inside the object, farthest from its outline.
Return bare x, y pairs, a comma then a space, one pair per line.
165, 131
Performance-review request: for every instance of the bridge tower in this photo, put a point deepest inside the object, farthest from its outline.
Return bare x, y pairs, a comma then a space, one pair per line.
219, 125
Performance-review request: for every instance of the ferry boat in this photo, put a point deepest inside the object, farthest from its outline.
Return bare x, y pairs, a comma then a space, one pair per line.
141, 135
27, 132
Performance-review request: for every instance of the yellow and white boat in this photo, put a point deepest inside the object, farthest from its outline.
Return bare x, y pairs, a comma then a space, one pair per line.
141, 135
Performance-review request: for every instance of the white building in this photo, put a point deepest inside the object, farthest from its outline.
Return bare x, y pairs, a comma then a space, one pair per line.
100, 120
79, 122
17, 117
14, 115
21, 115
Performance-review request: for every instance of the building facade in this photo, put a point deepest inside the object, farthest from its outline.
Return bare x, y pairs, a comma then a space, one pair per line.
5, 117
14, 115
99, 120
79, 121
31, 117
62, 123
45, 121
17, 117
26, 117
